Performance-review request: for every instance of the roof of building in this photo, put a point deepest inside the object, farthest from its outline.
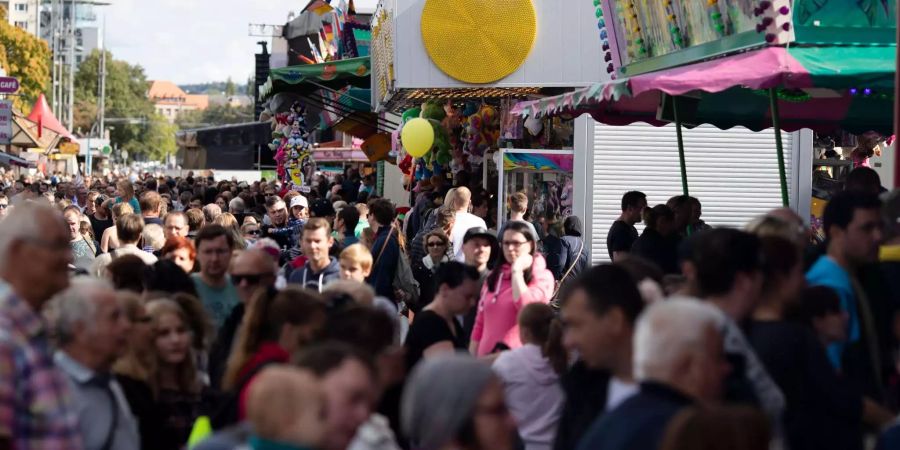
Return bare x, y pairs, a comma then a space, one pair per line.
167, 93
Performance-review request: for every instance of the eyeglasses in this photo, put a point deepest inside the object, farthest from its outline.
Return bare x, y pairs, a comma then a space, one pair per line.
514, 243
251, 278
253, 232
436, 244
4, 206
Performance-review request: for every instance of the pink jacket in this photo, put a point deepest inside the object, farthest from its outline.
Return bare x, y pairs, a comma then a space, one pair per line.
498, 313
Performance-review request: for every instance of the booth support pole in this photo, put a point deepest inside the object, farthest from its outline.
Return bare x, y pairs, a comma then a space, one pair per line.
897, 114
684, 180
776, 123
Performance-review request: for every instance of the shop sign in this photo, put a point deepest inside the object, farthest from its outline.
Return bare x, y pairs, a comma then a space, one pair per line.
8, 85
6, 119
69, 148
382, 50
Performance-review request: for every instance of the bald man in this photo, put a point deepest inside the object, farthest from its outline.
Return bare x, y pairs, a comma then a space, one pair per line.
251, 271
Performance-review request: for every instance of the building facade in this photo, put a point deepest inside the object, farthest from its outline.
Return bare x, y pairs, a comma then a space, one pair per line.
23, 14
171, 101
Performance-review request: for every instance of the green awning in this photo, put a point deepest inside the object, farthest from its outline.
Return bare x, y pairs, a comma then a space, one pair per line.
307, 78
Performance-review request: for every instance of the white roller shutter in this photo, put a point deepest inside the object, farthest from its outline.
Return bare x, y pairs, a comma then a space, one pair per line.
733, 172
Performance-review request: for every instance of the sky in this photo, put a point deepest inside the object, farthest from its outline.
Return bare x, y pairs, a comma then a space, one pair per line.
193, 41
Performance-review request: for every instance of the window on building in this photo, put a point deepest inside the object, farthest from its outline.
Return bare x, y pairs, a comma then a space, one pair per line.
78, 59
22, 24
21, 6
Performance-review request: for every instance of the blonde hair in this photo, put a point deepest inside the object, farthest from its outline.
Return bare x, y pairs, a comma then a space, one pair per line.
120, 209
460, 199
358, 254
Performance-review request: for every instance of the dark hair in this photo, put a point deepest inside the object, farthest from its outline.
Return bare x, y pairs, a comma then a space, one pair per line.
127, 273
841, 208
383, 210
453, 274
608, 286
325, 357
632, 199
653, 215
817, 302
864, 180
719, 255
270, 311
545, 328
364, 327
518, 227
781, 257
350, 216
212, 232
166, 276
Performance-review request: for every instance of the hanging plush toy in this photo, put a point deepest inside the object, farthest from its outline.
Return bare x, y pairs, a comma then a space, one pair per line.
439, 155
295, 165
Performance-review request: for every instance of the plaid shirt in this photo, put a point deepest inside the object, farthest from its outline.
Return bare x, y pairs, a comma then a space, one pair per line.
36, 409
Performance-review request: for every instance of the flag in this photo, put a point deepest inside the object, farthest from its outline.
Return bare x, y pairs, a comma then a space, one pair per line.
320, 7
315, 51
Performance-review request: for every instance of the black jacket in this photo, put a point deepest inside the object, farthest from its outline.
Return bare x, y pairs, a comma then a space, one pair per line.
659, 249
221, 348
586, 391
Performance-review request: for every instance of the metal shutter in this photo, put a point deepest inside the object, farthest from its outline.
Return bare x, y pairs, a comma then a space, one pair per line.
733, 172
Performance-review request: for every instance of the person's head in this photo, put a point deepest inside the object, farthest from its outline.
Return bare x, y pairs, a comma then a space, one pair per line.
599, 311
478, 247
783, 274
356, 263
633, 205
347, 376
72, 215
221, 203
728, 269
518, 203
481, 206
346, 220
696, 210
717, 428
660, 219
195, 220
140, 337
214, 244
459, 199
121, 209
251, 270
172, 343
821, 309
863, 180
125, 190
781, 225
287, 405
538, 325
457, 287
237, 206
341, 293
371, 330
90, 325
517, 240
381, 213
4, 206
437, 244
853, 227
678, 343
181, 251
175, 224
129, 228
299, 206
211, 212
151, 204
277, 210
472, 415
153, 236
126, 273
682, 207
316, 240
291, 318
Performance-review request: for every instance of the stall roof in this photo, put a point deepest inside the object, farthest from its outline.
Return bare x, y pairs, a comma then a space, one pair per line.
408, 98
41, 114
307, 78
822, 88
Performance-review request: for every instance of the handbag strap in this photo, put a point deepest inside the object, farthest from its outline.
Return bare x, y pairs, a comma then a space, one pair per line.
383, 246
569, 272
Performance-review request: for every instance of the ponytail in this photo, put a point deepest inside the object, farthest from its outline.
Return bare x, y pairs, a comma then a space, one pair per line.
546, 330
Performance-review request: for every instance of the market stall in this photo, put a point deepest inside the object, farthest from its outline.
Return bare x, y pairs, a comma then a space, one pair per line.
545, 176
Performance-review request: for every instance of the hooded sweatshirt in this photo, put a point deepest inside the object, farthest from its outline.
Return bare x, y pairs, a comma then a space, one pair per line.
533, 394
307, 278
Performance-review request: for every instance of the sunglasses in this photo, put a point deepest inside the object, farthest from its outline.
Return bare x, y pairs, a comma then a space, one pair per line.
253, 278
253, 232
3, 206
436, 244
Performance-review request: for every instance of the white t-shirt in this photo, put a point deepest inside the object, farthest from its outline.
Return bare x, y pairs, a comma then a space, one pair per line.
617, 392
464, 222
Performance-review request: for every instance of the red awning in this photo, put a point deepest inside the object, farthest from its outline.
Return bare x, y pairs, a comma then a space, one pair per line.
42, 115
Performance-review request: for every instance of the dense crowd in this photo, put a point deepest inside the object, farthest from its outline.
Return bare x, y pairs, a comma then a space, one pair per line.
165, 313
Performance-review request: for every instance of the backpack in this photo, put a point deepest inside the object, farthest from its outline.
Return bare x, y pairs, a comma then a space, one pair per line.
403, 277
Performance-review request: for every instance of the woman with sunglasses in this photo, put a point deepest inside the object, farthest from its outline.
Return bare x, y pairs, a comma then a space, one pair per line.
522, 278
437, 244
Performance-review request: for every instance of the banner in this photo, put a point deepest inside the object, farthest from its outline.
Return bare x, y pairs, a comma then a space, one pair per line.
6, 116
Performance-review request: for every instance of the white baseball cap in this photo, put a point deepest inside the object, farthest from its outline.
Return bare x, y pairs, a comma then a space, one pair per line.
300, 200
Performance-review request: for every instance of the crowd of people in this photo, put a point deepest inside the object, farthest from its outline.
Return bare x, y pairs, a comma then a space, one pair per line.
169, 313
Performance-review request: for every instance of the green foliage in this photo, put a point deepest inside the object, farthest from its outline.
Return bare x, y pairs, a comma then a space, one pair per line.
27, 58
230, 88
126, 98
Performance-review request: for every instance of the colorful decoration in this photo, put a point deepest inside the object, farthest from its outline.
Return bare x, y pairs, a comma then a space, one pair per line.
417, 137
538, 162
293, 153
477, 41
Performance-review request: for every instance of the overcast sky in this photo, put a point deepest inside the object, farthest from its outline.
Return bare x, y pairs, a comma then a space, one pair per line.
193, 41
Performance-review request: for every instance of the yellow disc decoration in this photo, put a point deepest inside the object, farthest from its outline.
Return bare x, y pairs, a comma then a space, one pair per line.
478, 41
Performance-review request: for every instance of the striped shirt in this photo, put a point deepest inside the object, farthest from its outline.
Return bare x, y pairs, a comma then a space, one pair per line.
36, 407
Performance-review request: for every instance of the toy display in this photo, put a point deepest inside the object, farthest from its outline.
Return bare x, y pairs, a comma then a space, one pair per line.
293, 151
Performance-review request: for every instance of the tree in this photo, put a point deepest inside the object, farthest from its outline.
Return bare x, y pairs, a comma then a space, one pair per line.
25, 57
230, 88
159, 138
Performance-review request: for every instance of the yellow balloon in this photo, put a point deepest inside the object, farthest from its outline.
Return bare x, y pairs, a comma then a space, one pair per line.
417, 137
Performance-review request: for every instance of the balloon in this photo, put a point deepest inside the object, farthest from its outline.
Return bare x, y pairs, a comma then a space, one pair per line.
417, 137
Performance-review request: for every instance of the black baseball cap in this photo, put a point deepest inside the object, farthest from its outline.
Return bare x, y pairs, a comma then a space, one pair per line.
480, 232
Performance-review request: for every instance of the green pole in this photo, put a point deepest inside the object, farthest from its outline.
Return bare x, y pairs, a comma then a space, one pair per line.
776, 123
684, 181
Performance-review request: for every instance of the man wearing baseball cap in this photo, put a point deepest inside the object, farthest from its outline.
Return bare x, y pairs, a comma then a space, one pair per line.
480, 250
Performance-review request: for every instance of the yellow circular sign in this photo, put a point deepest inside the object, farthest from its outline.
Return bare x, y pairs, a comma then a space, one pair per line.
478, 41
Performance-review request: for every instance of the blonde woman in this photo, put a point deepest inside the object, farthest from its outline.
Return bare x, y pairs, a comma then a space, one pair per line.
110, 239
